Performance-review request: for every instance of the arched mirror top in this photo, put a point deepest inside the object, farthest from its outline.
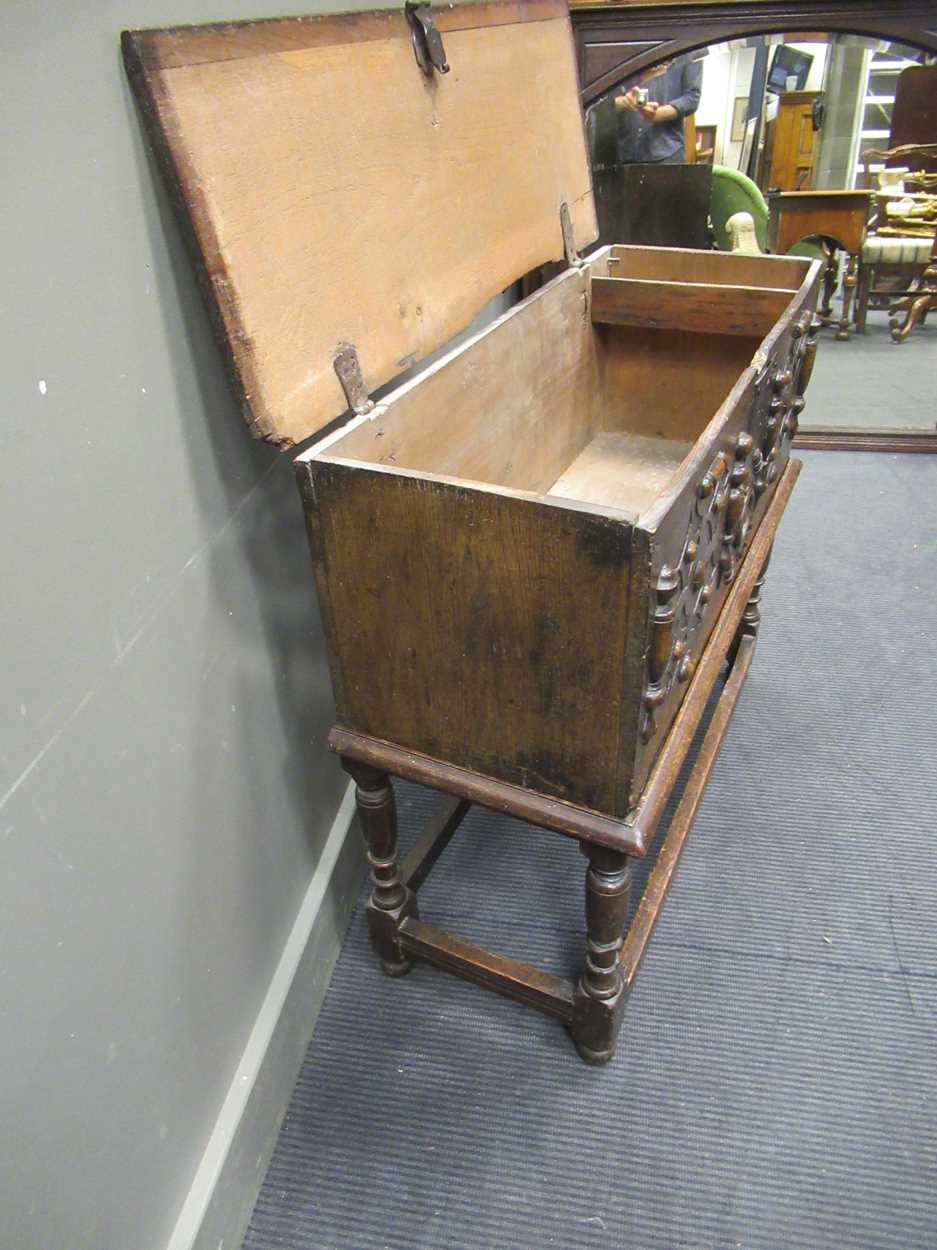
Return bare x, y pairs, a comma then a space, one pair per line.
839, 122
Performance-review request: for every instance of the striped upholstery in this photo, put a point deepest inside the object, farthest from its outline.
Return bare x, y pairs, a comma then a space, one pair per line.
881, 250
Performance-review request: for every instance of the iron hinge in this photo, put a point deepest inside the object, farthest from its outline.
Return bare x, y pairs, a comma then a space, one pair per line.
427, 41
569, 239
349, 373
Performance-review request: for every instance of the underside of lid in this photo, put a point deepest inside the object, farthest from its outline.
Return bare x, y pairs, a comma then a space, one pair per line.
335, 194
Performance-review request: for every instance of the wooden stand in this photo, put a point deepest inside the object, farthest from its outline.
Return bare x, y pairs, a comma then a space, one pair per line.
592, 1008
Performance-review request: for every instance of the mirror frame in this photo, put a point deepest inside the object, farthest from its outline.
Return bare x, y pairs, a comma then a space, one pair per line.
616, 41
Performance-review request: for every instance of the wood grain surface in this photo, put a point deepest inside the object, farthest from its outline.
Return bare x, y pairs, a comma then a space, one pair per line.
633, 833
838, 215
500, 796
680, 264
512, 406
620, 469
515, 404
475, 626
494, 627
522, 982
337, 195
707, 307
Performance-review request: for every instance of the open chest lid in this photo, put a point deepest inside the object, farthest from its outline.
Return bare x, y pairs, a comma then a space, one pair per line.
340, 197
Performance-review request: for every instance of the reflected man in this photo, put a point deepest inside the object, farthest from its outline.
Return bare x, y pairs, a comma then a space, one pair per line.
652, 112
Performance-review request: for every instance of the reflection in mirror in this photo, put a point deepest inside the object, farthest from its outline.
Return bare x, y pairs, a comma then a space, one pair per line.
817, 145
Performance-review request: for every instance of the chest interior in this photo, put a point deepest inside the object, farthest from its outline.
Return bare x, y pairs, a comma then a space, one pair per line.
595, 389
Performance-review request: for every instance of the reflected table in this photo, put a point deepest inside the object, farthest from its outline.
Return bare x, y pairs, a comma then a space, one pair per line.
839, 220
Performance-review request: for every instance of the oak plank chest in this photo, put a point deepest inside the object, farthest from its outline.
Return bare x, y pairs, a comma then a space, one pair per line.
534, 555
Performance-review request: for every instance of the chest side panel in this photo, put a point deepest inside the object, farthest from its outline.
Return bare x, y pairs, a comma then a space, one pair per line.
481, 629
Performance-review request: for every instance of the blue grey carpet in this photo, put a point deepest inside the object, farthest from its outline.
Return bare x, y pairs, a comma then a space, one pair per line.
871, 383
776, 1081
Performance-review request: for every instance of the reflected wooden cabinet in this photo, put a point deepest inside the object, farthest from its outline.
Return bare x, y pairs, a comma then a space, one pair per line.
791, 143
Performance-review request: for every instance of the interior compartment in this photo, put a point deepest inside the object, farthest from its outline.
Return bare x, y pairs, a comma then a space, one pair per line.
593, 399
621, 470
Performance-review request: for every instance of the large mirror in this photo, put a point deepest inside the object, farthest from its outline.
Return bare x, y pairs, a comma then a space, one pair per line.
823, 145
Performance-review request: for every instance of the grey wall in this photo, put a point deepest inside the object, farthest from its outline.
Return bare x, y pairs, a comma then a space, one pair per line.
164, 790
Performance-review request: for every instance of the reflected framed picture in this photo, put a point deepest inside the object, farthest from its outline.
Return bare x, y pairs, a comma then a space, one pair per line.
738, 119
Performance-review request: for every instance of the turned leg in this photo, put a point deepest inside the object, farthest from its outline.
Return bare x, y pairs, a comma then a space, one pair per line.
830, 274
862, 295
849, 285
391, 902
599, 996
751, 617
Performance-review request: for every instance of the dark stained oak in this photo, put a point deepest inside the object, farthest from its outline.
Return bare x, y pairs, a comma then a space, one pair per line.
391, 901
434, 839
536, 809
655, 890
650, 807
600, 989
593, 1007
535, 555
617, 41
634, 834
453, 633
448, 635
505, 976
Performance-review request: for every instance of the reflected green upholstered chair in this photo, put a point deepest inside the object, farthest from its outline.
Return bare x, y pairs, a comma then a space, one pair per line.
739, 216
733, 192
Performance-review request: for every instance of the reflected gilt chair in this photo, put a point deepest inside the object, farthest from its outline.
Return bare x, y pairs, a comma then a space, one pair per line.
898, 274
898, 265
